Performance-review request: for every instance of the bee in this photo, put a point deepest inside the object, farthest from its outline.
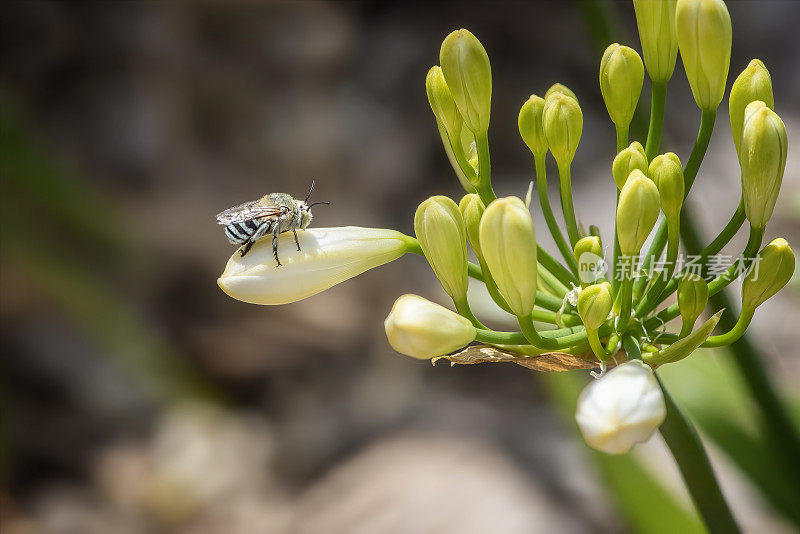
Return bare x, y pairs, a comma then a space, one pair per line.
274, 214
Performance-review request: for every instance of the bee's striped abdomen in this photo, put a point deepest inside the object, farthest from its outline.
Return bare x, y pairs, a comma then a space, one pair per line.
239, 232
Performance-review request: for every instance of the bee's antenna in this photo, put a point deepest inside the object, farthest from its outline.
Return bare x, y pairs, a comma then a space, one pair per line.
315, 203
310, 191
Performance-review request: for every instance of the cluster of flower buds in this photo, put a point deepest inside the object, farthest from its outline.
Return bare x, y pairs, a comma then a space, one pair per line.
592, 310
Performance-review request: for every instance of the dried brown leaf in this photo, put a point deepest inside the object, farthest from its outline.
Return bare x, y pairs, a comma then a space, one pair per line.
546, 363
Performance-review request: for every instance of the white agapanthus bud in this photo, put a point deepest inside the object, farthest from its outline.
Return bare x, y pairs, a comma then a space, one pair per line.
423, 329
328, 256
622, 408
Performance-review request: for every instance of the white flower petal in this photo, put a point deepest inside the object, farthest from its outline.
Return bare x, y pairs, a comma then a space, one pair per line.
328, 256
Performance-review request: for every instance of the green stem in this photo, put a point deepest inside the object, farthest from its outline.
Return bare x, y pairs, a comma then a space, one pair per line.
720, 282
518, 338
689, 174
650, 299
484, 186
462, 307
658, 102
541, 342
597, 347
692, 460
461, 160
732, 335
547, 211
548, 278
622, 143
722, 239
491, 287
555, 267
625, 295
565, 191
617, 253
622, 138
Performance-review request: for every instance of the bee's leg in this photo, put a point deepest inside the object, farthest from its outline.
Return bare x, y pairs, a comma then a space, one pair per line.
294, 231
246, 247
275, 247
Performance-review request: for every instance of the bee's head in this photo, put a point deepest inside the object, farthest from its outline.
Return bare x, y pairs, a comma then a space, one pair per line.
305, 208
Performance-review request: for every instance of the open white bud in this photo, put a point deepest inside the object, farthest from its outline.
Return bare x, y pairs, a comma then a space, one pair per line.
328, 256
622, 408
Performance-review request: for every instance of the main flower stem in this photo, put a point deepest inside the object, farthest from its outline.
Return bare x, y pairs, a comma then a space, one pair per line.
692, 460
552, 225
779, 429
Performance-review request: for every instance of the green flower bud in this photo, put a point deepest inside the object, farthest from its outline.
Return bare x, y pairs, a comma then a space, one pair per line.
508, 242
656, 22
594, 305
465, 65
637, 212
442, 237
560, 88
442, 103
422, 329
704, 39
763, 160
621, 79
530, 125
754, 83
692, 297
588, 253
667, 173
472, 208
626, 161
770, 272
562, 121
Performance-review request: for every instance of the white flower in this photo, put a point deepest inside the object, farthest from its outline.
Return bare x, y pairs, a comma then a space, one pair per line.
423, 329
621, 409
327, 256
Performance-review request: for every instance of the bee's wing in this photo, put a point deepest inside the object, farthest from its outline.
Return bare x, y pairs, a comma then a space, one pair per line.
247, 211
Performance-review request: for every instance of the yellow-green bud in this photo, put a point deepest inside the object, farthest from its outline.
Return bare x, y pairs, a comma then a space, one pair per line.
588, 253
594, 305
773, 270
472, 208
443, 239
442, 103
422, 329
465, 65
508, 242
763, 160
621, 79
562, 121
560, 88
667, 173
754, 83
704, 39
637, 212
692, 297
530, 125
626, 161
656, 22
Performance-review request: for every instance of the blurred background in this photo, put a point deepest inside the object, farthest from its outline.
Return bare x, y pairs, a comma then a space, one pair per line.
136, 397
